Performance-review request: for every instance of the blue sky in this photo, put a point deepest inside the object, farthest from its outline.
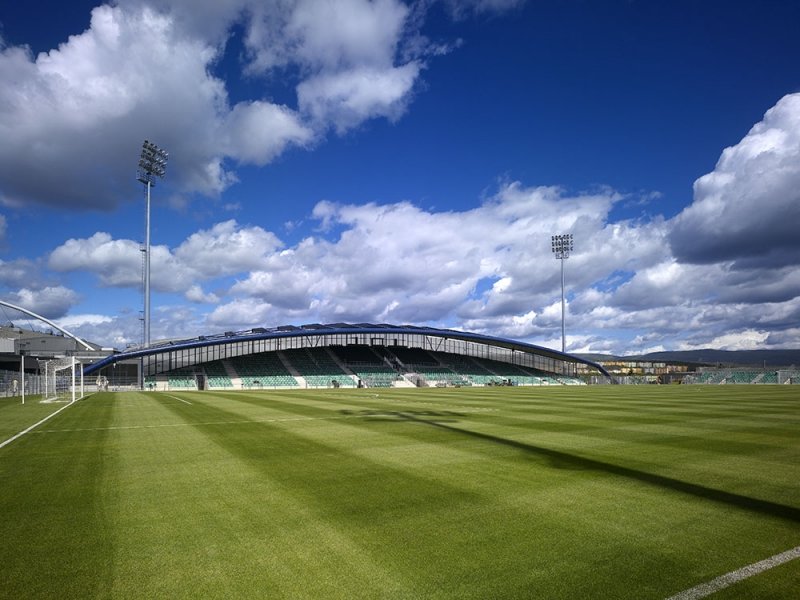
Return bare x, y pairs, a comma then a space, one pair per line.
407, 162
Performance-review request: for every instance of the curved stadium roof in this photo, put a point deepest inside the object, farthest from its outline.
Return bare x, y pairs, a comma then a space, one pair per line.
336, 329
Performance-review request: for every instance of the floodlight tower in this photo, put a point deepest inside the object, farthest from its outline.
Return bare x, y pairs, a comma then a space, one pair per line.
152, 164
562, 246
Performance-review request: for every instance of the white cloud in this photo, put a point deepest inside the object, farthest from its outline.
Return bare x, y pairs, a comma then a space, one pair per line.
350, 97
747, 209
116, 262
257, 132
226, 249
146, 69
748, 339
430, 271
205, 19
325, 36
90, 97
348, 51
196, 294
137, 73
347, 32
51, 302
73, 321
240, 314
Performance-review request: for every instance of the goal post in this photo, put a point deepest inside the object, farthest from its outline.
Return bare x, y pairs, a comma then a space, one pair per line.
63, 380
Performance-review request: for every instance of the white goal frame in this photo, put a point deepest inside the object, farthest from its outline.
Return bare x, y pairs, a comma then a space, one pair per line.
63, 380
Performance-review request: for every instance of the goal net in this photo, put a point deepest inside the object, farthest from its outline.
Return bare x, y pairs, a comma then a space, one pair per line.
63, 380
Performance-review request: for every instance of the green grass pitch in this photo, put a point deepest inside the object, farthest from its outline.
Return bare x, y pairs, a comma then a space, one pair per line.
579, 492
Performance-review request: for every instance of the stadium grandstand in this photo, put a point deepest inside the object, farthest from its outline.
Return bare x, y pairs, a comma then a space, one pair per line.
341, 355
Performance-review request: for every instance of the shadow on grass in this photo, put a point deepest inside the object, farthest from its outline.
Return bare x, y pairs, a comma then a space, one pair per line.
570, 461
433, 416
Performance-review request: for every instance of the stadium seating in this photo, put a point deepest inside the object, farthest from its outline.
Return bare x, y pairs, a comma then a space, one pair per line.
181, 379
741, 377
413, 356
262, 370
368, 366
468, 368
518, 375
318, 368
767, 377
736, 376
217, 376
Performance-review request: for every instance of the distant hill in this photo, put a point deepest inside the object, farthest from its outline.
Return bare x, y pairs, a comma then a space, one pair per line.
708, 356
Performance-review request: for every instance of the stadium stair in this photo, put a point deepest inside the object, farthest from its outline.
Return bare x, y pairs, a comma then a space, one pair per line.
301, 381
235, 379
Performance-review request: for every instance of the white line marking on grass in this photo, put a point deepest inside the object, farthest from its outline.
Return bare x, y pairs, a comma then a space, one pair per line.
35, 425
723, 581
176, 398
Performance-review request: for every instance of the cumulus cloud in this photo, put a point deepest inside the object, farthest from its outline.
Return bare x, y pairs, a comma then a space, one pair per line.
51, 302
90, 97
434, 271
746, 211
136, 65
240, 314
347, 98
196, 294
257, 132
324, 35
225, 249
117, 262
349, 51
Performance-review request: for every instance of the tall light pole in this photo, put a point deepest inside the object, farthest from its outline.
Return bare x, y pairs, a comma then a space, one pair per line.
562, 246
152, 164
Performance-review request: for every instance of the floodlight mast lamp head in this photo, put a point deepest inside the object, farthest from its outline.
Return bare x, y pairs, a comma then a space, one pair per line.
562, 245
152, 163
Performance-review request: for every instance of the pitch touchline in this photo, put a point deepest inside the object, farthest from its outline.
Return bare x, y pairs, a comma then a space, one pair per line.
723, 581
